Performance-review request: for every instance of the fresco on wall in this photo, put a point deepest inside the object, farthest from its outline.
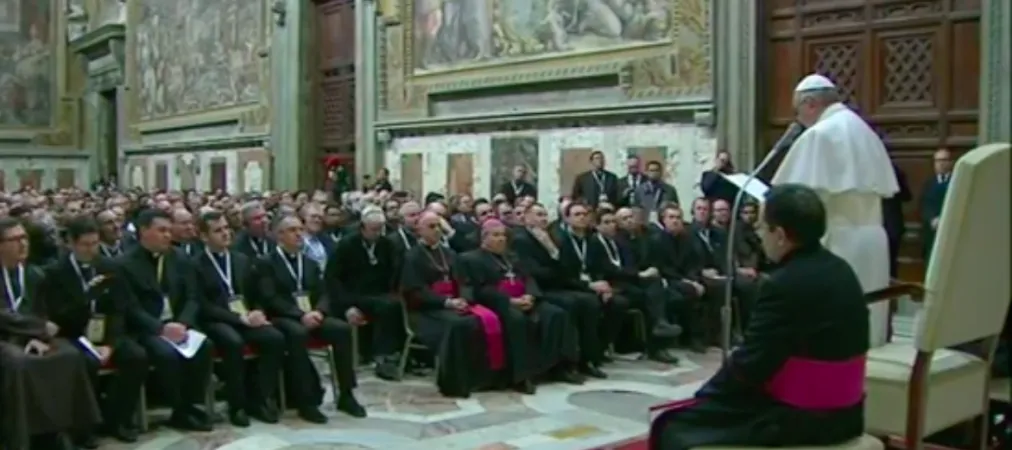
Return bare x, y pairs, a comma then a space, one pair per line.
509, 152
197, 55
27, 63
450, 33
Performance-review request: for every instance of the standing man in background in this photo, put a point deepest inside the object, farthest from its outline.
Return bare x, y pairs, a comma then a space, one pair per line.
844, 161
597, 184
932, 199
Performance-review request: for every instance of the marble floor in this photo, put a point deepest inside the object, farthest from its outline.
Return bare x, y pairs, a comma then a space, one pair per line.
412, 415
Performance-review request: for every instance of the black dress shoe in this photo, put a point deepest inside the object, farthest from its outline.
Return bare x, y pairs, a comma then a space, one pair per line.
312, 415
124, 433
666, 330
265, 414
663, 356
238, 418
526, 387
569, 376
187, 422
87, 441
388, 370
592, 370
349, 405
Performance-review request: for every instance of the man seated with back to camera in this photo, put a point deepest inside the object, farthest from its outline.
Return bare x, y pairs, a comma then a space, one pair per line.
233, 317
362, 279
643, 287
86, 301
164, 300
298, 304
797, 379
711, 256
563, 286
672, 252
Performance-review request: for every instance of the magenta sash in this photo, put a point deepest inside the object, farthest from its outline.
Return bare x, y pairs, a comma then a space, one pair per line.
489, 323
512, 287
814, 385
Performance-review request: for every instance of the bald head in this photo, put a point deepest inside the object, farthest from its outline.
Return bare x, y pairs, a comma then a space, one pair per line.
428, 227
183, 228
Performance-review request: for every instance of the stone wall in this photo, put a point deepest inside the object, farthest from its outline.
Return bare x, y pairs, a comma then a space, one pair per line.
230, 170
479, 163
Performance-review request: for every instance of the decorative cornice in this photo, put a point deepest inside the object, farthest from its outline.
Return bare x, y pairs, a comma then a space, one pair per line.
95, 43
199, 145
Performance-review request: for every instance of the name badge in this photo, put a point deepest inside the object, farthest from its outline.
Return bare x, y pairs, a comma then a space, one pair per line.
166, 308
96, 329
302, 301
237, 305
584, 277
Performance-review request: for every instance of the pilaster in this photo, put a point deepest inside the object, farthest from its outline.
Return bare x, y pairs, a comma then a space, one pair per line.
288, 148
736, 50
367, 61
995, 70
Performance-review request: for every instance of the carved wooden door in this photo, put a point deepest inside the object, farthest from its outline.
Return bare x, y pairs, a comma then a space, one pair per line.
909, 67
335, 78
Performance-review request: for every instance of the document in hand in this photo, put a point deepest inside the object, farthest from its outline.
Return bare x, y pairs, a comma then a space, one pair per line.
89, 347
755, 188
190, 345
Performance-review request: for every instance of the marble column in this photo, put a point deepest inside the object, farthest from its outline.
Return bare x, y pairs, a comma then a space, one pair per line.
736, 46
996, 72
367, 60
289, 113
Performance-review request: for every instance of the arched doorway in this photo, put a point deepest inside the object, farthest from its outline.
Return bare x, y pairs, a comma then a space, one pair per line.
333, 83
910, 67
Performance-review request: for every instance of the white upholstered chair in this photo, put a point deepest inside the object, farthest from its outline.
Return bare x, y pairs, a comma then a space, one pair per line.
919, 388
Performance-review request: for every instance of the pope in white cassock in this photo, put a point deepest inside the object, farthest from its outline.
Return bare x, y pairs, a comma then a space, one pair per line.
843, 159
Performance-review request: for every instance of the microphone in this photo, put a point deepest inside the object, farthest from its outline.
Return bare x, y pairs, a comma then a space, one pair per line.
790, 134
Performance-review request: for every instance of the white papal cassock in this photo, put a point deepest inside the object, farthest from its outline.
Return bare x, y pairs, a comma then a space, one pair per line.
843, 159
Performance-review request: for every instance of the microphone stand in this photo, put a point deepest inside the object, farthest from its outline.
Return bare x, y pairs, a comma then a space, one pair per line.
725, 310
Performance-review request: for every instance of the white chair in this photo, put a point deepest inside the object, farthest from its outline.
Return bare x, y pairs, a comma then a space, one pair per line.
865, 442
914, 390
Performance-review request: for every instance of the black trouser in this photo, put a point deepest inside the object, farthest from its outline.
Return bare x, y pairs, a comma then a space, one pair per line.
744, 290
122, 394
230, 340
656, 303
585, 312
693, 314
181, 381
336, 333
384, 315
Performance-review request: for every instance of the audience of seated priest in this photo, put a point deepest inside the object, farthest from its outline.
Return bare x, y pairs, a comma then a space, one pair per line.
797, 379
315, 245
299, 304
643, 287
164, 300
335, 220
233, 318
45, 391
361, 273
403, 235
110, 233
561, 272
253, 240
671, 250
538, 337
86, 302
466, 336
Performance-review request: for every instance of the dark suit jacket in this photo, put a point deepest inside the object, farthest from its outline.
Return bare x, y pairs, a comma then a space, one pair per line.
523, 188
144, 294
243, 243
32, 303
673, 255
214, 292
932, 200
586, 188
651, 197
71, 306
549, 273
627, 188
278, 288
711, 252
349, 274
190, 248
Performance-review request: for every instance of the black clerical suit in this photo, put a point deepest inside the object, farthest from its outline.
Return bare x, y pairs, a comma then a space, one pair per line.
189, 247
589, 186
230, 289
515, 189
711, 251
285, 281
587, 251
932, 199
560, 282
674, 257
362, 275
112, 250
742, 406
617, 267
98, 314
252, 246
627, 187
157, 297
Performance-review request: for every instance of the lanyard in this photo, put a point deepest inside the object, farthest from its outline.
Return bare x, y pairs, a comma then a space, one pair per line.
370, 250
160, 270
518, 188
442, 266
599, 179
612, 256
581, 252
15, 302
296, 271
79, 272
224, 273
260, 250
110, 251
404, 237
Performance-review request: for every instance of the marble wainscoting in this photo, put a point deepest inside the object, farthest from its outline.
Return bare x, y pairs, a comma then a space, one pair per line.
411, 415
478, 163
231, 170
44, 173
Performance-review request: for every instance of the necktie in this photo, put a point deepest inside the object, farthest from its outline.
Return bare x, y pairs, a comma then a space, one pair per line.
220, 259
87, 271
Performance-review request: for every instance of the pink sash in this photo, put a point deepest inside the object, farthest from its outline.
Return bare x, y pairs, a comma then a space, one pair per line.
814, 385
489, 323
512, 287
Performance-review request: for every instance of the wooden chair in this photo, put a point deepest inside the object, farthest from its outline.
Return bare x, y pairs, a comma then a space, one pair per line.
409, 342
914, 390
322, 349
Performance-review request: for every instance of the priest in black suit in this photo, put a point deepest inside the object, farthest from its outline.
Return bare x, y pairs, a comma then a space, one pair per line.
933, 198
299, 305
164, 300
628, 184
86, 300
233, 317
517, 187
253, 241
597, 184
361, 274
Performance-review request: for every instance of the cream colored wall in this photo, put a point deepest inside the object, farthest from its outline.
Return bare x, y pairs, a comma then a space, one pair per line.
690, 151
49, 167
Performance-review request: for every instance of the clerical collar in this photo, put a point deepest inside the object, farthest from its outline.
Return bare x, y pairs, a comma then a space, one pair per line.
291, 256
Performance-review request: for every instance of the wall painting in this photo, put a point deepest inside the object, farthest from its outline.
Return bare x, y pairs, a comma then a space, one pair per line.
509, 152
460, 174
27, 63
412, 173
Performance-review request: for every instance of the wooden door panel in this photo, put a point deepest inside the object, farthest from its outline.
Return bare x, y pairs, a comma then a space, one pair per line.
909, 67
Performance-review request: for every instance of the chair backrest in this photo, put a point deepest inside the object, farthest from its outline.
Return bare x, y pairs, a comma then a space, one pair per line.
967, 285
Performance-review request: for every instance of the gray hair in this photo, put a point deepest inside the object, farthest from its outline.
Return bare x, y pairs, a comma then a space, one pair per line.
247, 210
283, 219
825, 96
373, 215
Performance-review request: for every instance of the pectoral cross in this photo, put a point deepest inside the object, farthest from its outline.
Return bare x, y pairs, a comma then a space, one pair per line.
510, 276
